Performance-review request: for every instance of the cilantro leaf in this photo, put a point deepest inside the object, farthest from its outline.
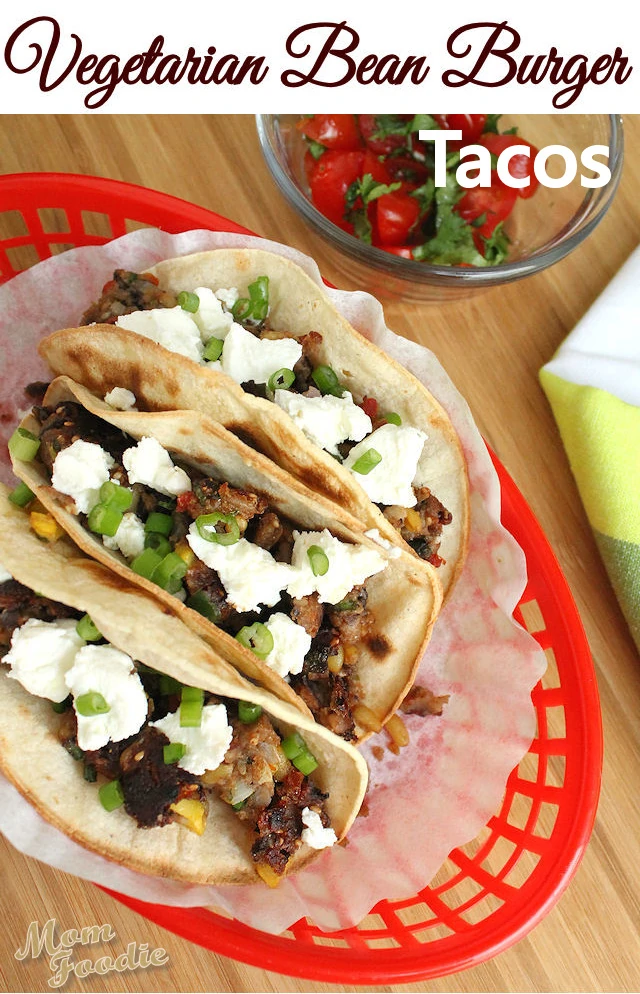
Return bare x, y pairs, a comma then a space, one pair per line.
425, 195
423, 122
496, 247
316, 148
453, 241
359, 195
491, 127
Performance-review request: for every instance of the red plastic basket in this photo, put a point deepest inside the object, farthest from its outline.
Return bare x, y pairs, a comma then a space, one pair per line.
489, 893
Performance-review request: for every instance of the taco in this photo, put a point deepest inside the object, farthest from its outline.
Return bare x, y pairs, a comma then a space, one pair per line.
132, 736
280, 581
260, 348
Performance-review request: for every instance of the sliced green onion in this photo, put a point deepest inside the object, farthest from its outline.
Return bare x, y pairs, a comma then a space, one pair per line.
24, 445
169, 686
366, 462
91, 704
188, 301
326, 381
248, 712
74, 750
87, 629
173, 752
213, 349
255, 307
21, 496
293, 745
206, 525
157, 542
191, 704
170, 573
318, 559
241, 309
345, 605
157, 522
295, 748
61, 706
239, 806
104, 520
282, 379
200, 602
305, 762
146, 563
89, 773
256, 637
115, 496
111, 796
392, 418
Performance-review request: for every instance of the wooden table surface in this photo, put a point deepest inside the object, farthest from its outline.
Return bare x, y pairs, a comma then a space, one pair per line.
492, 345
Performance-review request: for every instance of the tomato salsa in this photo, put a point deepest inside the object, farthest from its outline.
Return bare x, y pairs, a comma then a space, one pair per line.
371, 175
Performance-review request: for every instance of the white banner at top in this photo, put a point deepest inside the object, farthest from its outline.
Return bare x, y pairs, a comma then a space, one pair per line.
62, 56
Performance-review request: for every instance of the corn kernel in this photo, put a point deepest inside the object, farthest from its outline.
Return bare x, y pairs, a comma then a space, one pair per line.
45, 526
269, 876
350, 654
413, 521
336, 661
366, 718
191, 814
186, 553
397, 730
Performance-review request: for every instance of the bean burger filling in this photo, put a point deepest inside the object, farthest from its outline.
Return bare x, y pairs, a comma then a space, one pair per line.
155, 747
233, 334
297, 599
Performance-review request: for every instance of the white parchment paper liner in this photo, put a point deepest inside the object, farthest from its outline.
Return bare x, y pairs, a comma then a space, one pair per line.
443, 788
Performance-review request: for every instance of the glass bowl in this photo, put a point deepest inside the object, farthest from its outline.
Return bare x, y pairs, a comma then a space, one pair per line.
542, 229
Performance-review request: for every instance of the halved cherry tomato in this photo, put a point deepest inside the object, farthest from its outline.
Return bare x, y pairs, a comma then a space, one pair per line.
369, 127
372, 164
397, 214
471, 125
520, 165
370, 407
337, 131
496, 202
331, 177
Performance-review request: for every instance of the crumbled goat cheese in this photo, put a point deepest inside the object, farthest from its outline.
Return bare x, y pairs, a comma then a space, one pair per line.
171, 327
41, 654
327, 420
349, 565
211, 319
148, 463
314, 833
206, 745
79, 471
120, 399
229, 296
390, 482
291, 643
249, 574
105, 670
245, 357
129, 538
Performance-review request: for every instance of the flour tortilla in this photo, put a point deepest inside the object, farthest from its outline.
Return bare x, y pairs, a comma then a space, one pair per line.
34, 761
404, 598
103, 356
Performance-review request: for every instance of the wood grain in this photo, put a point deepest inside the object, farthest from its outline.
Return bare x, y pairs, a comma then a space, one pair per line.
492, 345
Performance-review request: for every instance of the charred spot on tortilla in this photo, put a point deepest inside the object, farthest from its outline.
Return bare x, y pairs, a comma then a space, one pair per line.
379, 646
242, 432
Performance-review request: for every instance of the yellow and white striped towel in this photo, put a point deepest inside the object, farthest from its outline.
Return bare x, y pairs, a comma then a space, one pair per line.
593, 386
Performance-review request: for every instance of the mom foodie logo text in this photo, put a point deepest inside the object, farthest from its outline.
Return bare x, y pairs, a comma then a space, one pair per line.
65, 962
325, 53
